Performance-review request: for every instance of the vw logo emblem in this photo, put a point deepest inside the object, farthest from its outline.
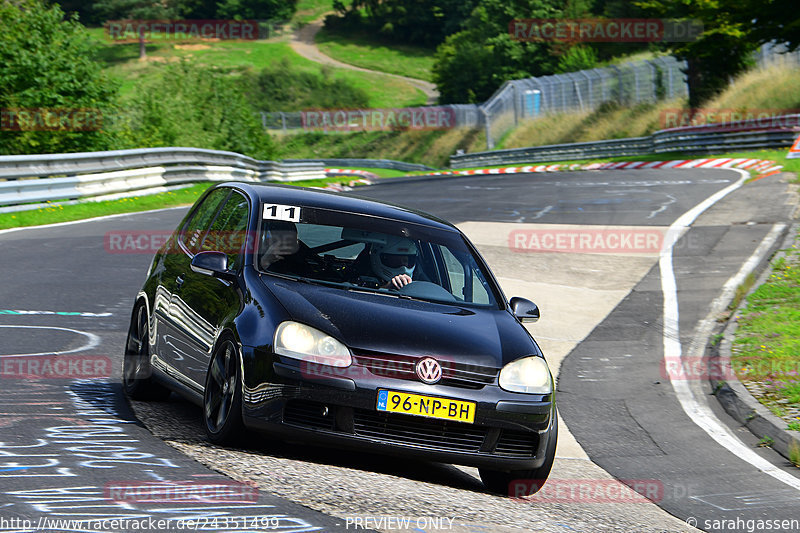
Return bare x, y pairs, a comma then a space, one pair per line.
429, 370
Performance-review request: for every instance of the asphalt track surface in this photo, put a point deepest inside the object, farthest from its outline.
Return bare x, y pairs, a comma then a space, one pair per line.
66, 442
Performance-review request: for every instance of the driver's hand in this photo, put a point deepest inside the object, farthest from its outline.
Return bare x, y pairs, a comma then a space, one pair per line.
400, 281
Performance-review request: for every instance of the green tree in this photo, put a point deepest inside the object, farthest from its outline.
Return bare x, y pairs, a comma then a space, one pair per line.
471, 64
577, 58
135, 10
723, 50
86, 14
423, 22
195, 105
46, 64
772, 20
196, 9
256, 9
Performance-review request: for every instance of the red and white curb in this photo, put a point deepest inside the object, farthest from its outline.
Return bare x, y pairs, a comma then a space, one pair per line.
367, 178
762, 166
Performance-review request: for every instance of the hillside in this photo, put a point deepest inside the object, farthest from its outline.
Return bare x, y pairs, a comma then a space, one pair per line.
773, 89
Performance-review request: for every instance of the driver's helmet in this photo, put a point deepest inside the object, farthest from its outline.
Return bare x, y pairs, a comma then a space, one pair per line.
279, 239
397, 256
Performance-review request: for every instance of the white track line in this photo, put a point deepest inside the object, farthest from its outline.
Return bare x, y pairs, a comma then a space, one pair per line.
92, 341
94, 219
700, 412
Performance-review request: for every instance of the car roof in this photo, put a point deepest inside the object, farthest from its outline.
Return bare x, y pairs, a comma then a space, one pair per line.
303, 196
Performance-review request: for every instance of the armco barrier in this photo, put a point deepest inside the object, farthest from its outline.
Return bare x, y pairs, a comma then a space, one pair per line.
47, 177
746, 135
367, 163
556, 152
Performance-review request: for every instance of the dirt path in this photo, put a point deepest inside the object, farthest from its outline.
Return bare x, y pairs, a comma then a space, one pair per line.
303, 43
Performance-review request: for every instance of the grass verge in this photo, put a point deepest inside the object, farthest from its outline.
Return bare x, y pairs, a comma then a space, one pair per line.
310, 10
67, 213
122, 63
363, 50
179, 197
767, 342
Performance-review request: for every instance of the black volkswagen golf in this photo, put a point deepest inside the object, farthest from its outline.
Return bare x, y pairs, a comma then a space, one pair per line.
342, 321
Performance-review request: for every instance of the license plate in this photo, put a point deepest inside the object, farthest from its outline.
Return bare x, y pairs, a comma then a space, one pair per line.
428, 406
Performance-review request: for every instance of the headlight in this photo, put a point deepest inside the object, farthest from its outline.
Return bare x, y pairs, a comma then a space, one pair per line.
530, 375
299, 341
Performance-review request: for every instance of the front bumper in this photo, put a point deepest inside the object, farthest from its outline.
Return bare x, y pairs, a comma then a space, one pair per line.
511, 431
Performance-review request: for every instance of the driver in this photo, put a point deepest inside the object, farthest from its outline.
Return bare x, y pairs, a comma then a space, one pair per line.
394, 261
280, 248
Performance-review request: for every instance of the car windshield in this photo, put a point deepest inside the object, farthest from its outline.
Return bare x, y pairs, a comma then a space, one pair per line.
359, 252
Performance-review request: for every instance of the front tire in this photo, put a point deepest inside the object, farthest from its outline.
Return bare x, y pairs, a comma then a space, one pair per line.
222, 400
530, 481
137, 377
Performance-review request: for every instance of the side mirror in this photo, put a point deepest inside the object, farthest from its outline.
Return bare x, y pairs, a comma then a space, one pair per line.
213, 264
524, 310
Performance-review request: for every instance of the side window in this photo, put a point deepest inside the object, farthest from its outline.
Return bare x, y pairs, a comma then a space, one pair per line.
228, 230
455, 272
466, 281
196, 227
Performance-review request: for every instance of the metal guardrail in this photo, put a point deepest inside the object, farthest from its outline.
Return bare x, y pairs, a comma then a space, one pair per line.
555, 152
39, 178
746, 135
366, 163
48, 177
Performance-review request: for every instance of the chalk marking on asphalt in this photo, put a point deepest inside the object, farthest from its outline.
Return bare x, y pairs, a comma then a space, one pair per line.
700, 413
28, 312
542, 212
92, 342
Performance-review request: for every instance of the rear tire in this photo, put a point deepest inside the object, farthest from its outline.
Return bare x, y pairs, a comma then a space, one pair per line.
222, 400
137, 377
530, 481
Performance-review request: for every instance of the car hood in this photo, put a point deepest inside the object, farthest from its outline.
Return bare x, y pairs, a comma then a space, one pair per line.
374, 322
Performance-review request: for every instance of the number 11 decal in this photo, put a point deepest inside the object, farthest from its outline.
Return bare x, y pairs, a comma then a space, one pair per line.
289, 213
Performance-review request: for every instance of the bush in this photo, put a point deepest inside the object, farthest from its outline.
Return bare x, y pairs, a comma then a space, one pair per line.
47, 68
193, 105
281, 88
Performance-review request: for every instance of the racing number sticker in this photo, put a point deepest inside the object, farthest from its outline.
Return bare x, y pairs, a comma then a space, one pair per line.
289, 213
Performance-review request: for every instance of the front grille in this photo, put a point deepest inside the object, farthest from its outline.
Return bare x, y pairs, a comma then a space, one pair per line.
454, 373
517, 443
412, 430
307, 414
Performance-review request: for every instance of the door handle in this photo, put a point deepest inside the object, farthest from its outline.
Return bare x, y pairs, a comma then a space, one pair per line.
179, 281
